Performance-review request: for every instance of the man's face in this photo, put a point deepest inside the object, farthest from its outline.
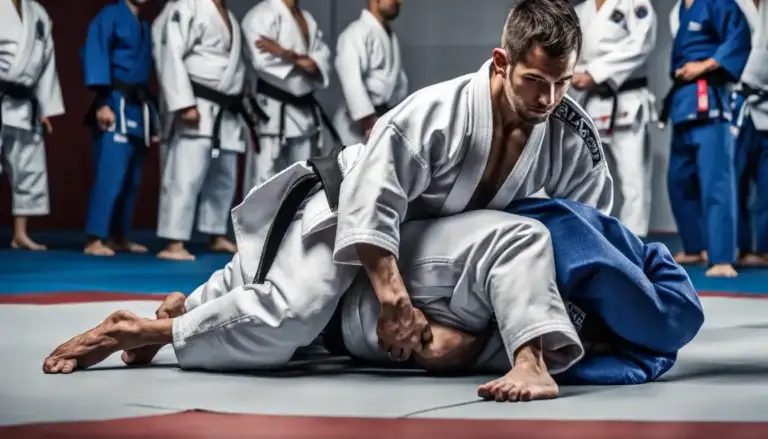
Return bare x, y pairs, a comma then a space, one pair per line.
389, 9
536, 84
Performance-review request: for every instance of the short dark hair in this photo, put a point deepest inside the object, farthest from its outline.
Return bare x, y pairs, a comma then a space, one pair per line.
552, 24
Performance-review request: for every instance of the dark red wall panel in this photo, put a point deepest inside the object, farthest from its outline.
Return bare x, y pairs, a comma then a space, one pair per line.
70, 170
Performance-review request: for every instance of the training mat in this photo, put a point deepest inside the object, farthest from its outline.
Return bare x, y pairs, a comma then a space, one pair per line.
721, 376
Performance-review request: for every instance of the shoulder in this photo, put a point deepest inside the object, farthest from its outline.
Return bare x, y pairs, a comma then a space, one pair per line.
576, 123
355, 29
263, 12
436, 113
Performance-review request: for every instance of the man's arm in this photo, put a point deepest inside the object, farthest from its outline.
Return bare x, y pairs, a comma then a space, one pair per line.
171, 71
48, 87
733, 29
581, 171
351, 63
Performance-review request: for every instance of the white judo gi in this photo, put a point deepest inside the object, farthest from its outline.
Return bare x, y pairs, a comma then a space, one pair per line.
197, 47
27, 73
756, 71
371, 75
618, 38
292, 133
423, 161
158, 30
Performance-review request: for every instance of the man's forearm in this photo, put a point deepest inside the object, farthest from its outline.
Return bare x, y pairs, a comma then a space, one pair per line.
304, 63
383, 272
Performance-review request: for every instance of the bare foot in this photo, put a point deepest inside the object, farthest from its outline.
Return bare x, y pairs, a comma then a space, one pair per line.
721, 270
172, 307
97, 248
26, 243
525, 382
753, 259
221, 244
690, 258
176, 255
126, 246
94, 346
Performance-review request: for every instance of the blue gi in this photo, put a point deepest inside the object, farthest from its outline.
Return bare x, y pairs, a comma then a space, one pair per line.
620, 290
117, 62
701, 177
752, 171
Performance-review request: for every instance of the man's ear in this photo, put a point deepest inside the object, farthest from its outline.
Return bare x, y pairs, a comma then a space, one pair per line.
500, 62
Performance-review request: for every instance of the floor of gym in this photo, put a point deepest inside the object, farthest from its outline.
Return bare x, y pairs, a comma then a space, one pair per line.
719, 387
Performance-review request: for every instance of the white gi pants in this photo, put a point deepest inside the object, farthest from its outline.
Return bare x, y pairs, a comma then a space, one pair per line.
631, 167
23, 159
472, 272
274, 157
191, 173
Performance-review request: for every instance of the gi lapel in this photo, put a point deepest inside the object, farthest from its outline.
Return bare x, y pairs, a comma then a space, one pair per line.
295, 37
234, 51
141, 43
516, 178
26, 39
480, 119
392, 52
674, 18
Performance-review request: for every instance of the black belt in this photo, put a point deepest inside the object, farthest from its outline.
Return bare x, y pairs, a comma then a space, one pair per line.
381, 110
137, 94
327, 173
605, 91
238, 105
21, 93
748, 91
717, 78
307, 101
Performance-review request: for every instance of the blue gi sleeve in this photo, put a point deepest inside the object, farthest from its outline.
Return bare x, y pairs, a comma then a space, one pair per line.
97, 68
733, 29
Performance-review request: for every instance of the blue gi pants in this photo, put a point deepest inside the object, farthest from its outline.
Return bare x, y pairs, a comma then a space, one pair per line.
752, 167
702, 188
118, 162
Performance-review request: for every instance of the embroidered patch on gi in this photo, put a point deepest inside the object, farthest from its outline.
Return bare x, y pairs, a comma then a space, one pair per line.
576, 315
617, 16
40, 30
641, 11
577, 120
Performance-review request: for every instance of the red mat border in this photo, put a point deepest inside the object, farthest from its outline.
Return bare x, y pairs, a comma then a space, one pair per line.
198, 424
114, 296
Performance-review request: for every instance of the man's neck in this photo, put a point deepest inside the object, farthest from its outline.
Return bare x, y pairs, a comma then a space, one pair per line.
17, 5
220, 3
292, 4
133, 7
503, 113
380, 18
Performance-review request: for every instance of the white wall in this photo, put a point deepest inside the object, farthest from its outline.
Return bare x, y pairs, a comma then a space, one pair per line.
442, 39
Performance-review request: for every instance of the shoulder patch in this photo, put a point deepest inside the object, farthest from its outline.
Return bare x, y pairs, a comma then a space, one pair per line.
40, 30
578, 121
641, 11
617, 16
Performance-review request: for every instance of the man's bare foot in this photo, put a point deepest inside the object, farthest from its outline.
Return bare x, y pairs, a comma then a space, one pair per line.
117, 332
753, 259
528, 380
125, 245
176, 254
172, 307
98, 248
221, 244
721, 270
24, 242
690, 258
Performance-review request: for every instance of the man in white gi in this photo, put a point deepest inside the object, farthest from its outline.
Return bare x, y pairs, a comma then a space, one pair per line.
292, 62
505, 269
370, 71
751, 127
611, 83
29, 95
478, 141
202, 76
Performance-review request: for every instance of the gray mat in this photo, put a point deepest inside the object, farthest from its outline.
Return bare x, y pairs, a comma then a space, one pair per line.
722, 375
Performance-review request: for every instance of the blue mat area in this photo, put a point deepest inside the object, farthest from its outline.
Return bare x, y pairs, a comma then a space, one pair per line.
66, 268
